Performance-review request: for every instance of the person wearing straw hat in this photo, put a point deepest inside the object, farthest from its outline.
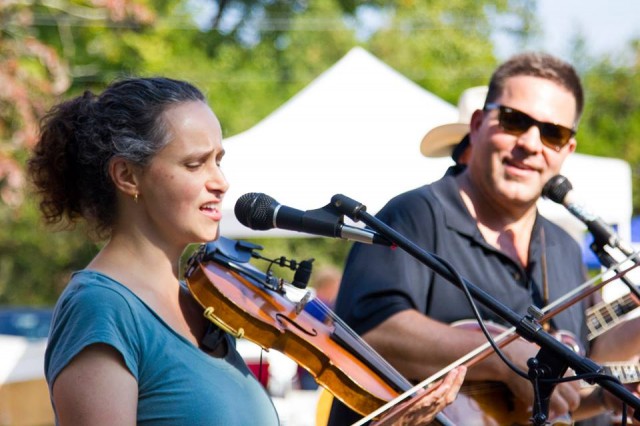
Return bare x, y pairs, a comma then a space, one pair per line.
484, 222
453, 139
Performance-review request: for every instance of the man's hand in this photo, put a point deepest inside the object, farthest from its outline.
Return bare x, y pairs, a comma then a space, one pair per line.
565, 397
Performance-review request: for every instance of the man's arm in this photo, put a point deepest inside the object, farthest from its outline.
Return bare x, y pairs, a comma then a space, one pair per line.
418, 347
620, 343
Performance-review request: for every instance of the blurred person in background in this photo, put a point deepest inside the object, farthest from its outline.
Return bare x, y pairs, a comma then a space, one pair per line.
452, 140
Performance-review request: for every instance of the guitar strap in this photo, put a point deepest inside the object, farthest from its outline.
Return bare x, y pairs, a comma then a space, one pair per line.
543, 263
542, 300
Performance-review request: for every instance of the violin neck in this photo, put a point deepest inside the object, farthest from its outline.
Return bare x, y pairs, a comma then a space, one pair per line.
603, 316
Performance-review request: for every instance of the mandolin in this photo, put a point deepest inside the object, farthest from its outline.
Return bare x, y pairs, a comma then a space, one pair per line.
627, 372
493, 404
486, 403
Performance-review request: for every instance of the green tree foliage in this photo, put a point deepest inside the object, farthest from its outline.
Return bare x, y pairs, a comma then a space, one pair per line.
446, 45
41, 56
611, 123
30, 73
35, 263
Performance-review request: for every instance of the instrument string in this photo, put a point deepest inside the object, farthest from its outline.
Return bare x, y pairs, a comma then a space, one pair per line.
329, 314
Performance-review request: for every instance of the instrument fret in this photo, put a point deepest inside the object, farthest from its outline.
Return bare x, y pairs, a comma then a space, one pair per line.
604, 316
626, 372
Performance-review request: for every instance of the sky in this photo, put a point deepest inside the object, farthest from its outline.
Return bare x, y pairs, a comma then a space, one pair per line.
608, 25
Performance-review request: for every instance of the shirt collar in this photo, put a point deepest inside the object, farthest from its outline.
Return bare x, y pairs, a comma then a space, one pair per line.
460, 220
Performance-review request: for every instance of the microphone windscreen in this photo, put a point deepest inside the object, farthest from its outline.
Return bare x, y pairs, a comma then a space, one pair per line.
303, 273
557, 188
255, 210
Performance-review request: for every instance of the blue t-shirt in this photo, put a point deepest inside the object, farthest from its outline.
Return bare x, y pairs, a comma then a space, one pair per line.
178, 383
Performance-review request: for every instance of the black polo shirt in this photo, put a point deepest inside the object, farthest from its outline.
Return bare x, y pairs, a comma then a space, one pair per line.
380, 281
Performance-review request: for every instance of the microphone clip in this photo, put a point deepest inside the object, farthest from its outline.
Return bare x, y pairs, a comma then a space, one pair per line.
303, 269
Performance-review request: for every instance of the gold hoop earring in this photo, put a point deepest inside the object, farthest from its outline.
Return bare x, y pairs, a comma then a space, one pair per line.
135, 198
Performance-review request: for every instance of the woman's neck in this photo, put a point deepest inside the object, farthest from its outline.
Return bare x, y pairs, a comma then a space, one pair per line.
137, 262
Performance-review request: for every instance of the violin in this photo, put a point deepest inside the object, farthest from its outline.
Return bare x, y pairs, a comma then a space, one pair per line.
247, 303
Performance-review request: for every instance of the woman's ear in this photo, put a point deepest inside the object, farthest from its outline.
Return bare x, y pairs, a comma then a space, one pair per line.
125, 176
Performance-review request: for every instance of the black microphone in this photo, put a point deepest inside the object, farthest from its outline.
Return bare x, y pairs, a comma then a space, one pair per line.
261, 212
560, 190
303, 273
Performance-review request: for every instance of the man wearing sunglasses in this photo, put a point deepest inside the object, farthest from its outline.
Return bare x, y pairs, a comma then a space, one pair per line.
484, 222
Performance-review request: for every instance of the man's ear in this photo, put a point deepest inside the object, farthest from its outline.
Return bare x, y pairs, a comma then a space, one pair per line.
475, 123
124, 175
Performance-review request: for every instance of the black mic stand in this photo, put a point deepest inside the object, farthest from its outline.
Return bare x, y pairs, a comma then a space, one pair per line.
550, 362
598, 248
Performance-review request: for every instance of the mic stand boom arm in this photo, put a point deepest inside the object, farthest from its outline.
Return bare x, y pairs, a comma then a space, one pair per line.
554, 356
608, 261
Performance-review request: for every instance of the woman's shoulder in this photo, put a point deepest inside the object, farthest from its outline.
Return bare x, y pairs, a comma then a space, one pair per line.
87, 285
93, 309
95, 299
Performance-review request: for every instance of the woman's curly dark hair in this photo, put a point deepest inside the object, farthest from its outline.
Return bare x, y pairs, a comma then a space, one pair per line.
79, 137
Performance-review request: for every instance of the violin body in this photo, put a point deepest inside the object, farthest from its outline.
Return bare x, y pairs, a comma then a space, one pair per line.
235, 298
487, 404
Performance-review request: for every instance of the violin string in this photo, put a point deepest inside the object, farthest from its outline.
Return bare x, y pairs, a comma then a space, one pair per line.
337, 320
328, 313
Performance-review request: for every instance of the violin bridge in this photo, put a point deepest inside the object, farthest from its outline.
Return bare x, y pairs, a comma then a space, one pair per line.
303, 302
208, 314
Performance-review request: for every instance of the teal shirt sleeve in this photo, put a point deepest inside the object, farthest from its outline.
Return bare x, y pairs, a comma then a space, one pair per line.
89, 313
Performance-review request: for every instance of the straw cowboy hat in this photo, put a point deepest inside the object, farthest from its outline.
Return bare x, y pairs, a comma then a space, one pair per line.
441, 140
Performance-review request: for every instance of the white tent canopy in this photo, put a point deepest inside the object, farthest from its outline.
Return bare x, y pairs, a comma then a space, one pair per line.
603, 186
21, 359
356, 130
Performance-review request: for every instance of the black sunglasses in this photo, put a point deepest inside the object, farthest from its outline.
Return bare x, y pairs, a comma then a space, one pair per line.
517, 122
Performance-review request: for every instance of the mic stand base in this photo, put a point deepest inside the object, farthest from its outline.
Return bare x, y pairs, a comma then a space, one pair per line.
542, 367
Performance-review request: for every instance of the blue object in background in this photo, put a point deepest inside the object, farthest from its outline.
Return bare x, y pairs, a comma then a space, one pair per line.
589, 257
32, 323
635, 230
